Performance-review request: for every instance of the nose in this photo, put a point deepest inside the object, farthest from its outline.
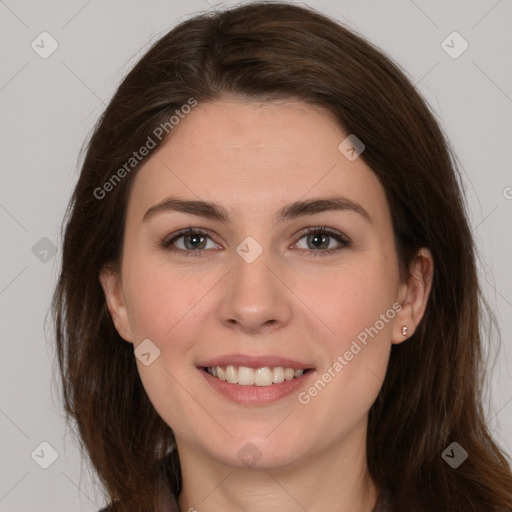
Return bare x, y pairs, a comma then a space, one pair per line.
257, 298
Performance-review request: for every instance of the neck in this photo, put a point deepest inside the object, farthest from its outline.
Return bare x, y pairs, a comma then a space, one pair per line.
336, 479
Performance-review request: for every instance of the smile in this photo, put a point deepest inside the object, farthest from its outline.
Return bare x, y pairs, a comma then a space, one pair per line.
246, 376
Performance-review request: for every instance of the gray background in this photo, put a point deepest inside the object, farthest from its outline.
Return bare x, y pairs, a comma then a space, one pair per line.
48, 108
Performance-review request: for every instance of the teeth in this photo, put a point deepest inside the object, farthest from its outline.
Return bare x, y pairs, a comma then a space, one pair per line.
231, 374
245, 376
263, 376
289, 373
278, 375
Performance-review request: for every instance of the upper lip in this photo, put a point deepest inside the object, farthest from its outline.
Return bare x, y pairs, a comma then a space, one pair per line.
253, 361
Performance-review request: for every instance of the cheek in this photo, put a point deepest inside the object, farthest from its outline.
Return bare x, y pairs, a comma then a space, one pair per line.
158, 297
361, 315
354, 300
161, 304
359, 307
150, 306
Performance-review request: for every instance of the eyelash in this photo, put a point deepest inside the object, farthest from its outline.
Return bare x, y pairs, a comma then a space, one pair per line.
344, 242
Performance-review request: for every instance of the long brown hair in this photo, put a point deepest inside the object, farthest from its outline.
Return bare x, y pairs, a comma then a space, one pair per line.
432, 392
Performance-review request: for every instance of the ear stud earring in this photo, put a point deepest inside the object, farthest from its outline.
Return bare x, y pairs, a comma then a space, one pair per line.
404, 330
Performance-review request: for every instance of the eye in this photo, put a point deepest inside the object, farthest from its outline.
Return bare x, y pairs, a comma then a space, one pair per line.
195, 241
319, 238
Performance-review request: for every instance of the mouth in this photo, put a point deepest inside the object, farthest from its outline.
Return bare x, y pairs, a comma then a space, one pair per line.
255, 379
263, 376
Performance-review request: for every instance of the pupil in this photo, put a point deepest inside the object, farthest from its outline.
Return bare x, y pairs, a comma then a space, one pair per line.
318, 237
195, 240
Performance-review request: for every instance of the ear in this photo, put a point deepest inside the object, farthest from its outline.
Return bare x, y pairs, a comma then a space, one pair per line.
413, 296
111, 283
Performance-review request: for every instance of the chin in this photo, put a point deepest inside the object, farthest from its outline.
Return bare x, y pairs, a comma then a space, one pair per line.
258, 453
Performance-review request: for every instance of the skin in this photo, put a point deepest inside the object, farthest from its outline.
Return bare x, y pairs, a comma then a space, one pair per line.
253, 158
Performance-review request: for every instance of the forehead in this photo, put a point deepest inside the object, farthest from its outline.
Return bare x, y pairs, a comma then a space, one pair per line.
252, 158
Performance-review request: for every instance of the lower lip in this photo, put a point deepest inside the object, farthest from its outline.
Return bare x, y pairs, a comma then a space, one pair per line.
256, 395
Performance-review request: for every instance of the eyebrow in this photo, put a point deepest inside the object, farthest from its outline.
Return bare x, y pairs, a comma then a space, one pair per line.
291, 211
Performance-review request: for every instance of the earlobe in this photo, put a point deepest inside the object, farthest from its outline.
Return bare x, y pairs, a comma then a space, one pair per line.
110, 281
413, 296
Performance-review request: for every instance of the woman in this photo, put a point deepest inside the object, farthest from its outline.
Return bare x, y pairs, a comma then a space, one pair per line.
268, 297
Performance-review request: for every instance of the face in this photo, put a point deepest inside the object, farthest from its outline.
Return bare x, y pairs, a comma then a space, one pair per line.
312, 288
